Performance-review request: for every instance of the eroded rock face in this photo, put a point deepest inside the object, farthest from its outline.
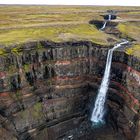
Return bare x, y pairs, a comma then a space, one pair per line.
48, 91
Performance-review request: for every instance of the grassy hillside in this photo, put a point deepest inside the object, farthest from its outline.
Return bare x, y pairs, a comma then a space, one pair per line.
20, 24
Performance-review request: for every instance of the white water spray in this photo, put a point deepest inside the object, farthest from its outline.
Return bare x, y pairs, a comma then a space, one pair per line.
99, 110
109, 18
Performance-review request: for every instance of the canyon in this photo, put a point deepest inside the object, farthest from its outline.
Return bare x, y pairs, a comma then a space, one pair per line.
48, 87
48, 92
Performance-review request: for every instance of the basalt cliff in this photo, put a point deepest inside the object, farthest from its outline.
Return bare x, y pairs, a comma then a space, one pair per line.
48, 91
52, 61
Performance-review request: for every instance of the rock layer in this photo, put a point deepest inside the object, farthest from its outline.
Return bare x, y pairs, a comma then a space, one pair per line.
47, 91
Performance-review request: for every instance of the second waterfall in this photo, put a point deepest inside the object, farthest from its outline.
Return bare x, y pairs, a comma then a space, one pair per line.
99, 108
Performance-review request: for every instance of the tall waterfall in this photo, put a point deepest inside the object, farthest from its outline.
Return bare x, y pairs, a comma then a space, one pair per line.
109, 18
99, 110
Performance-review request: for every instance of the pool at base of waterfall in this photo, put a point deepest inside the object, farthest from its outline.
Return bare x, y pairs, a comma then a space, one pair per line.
98, 124
85, 131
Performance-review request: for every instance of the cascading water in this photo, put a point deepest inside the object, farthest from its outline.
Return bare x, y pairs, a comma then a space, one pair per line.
109, 18
99, 109
104, 25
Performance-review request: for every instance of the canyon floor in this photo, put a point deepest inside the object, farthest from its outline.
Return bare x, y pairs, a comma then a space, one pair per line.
52, 61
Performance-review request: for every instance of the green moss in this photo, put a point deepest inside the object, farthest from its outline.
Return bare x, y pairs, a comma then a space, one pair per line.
130, 30
129, 51
134, 50
26, 67
39, 46
37, 107
34, 112
2, 52
37, 110
16, 50
136, 107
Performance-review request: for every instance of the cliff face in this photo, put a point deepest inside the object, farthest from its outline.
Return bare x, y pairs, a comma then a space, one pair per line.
48, 91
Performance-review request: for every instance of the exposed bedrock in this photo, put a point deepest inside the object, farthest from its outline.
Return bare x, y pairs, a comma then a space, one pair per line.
111, 28
47, 92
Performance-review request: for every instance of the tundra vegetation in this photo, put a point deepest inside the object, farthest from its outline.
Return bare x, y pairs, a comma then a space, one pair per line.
21, 24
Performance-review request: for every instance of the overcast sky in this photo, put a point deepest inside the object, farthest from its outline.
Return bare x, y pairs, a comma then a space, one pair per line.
75, 2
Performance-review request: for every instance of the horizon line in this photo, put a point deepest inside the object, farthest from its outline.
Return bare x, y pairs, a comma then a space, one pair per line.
67, 5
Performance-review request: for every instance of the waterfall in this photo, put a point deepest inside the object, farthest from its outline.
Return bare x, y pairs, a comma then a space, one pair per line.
99, 110
104, 25
109, 18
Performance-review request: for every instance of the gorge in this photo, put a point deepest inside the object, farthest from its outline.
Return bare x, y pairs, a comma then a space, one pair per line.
48, 87
104, 25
